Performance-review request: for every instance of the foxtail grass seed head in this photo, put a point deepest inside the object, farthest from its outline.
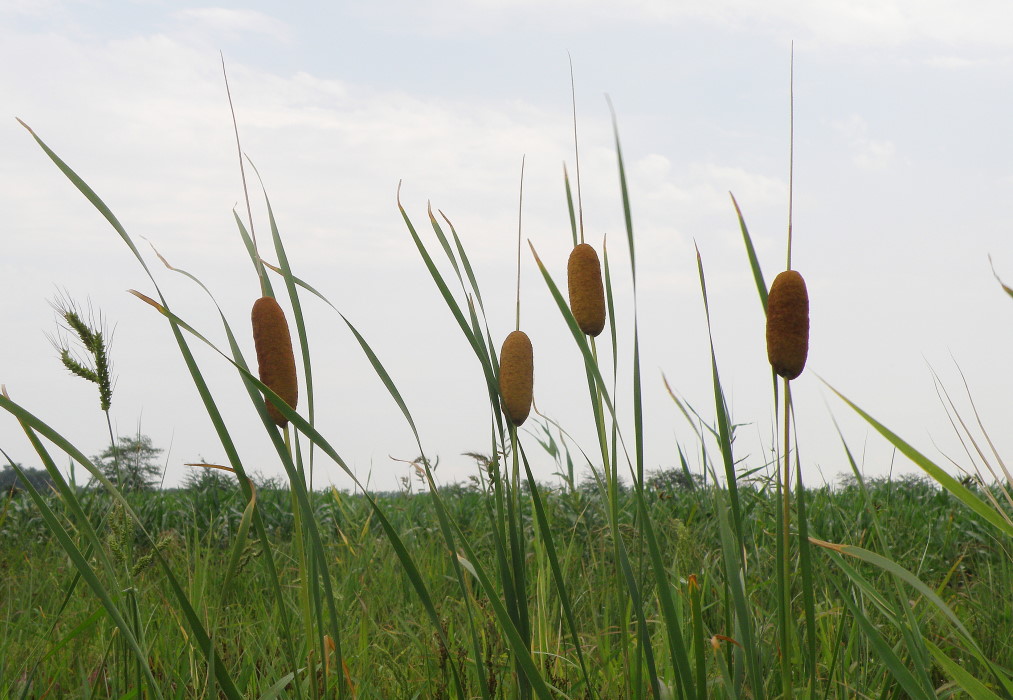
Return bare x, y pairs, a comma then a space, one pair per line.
274, 355
788, 324
587, 295
516, 376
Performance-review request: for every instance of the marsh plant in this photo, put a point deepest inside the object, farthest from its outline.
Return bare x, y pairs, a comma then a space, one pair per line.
725, 581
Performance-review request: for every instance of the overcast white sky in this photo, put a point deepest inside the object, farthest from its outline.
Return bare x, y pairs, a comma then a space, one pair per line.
903, 174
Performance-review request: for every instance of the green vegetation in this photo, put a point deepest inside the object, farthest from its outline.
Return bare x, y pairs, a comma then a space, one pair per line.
738, 582
391, 649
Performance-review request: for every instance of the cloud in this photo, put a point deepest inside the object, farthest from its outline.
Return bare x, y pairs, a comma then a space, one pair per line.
235, 22
951, 62
848, 23
867, 153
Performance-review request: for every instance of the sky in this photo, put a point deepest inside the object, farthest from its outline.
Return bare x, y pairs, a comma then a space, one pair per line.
901, 181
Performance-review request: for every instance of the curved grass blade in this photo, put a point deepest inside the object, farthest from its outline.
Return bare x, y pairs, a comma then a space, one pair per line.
673, 625
901, 674
491, 379
240, 544
754, 262
251, 249
557, 574
89, 576
465, 262
293, 294
32, 426
902, 574
228, 445
569, 206
1002, 284
255, 385
97, 202
721, 410
965, 495
971, 685
808, 581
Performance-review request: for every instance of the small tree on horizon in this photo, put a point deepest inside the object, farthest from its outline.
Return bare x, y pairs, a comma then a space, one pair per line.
132, 464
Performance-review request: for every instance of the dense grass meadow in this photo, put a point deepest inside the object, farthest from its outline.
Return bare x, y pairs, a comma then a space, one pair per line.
389, 645
730, 579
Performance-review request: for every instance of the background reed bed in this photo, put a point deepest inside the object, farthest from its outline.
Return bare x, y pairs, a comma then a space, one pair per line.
691, 583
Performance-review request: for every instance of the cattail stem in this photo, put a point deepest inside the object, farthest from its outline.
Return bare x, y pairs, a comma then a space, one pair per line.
576, 150
791, 143
520, 210
786, 618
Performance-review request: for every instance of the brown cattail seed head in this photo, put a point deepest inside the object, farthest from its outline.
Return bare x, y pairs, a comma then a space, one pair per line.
587, 296
788, 324
274, 355
516, 376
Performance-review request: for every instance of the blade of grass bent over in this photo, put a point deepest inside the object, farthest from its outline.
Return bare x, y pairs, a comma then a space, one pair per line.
411, 569
734, 548
965, 495
899, 572
901, 674
33, 425
97, 202
89, 575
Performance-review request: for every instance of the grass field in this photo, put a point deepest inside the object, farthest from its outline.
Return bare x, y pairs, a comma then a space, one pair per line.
735, 582
389, 645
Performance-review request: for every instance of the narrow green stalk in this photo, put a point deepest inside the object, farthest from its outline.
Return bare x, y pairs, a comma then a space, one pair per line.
786, 617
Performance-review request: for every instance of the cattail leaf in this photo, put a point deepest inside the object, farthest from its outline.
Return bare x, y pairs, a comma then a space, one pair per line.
88, 574
33, 425
761, 285
903, 677
754, 262
240, 544
251, 250
569, 206
192, 619
673, 626
513, 637
899, 572
254, 386
445, 244
557, 572
808, 580
280, 688
965, 495
721, 409
734, 547
293, 294
89, 194
971, 685
627, 216
465, 262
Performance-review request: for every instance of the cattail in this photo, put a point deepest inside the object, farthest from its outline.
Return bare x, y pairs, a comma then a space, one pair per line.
587, 296
788, 324
516, 376
274, 355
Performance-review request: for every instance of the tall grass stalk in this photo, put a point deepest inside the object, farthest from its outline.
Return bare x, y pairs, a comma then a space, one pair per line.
519, 605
